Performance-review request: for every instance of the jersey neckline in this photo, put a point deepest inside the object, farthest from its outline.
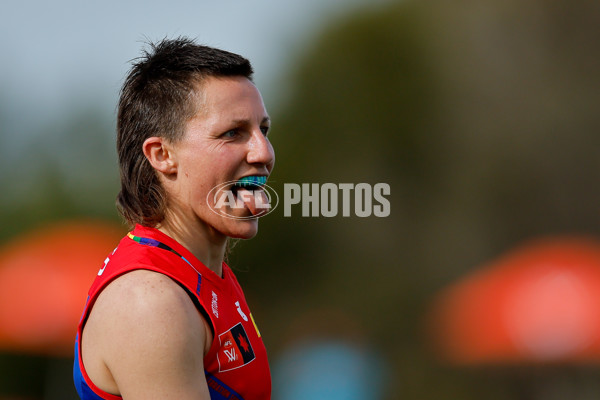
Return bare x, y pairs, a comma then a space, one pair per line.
178, 249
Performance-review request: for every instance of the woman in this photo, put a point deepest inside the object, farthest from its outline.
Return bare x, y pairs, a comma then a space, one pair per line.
166, 318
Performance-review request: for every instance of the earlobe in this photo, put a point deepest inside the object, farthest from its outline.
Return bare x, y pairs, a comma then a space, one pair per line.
160, 155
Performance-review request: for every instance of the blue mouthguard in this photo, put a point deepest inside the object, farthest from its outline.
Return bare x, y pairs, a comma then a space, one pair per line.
251, 181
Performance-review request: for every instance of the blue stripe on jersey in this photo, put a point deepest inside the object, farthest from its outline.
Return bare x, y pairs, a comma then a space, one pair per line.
199, 285
220, 391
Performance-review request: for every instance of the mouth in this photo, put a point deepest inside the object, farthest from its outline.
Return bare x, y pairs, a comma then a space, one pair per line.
249, 192
252, 182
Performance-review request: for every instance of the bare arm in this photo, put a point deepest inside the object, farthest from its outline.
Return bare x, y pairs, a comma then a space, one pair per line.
145, 340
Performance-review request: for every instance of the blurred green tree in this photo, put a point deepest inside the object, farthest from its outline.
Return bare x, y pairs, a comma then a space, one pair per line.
480, 115
68, 170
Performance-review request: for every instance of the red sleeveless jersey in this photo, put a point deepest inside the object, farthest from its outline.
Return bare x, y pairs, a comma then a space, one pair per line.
236, 366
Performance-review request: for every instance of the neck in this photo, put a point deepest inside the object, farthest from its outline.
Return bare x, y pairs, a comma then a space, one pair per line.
202, 241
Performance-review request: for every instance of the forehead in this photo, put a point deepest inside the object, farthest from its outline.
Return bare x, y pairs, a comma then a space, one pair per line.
233, 96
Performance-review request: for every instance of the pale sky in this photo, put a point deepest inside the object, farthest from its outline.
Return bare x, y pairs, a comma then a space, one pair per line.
54, 54
68, 57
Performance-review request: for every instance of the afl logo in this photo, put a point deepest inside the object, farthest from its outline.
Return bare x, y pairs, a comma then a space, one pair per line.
230, 201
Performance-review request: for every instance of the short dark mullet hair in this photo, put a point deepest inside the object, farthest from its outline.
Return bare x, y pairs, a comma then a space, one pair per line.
158, 97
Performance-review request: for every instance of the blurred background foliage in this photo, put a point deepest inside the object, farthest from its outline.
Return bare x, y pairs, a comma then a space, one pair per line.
481, 115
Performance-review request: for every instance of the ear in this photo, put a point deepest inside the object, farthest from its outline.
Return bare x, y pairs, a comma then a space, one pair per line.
160, 154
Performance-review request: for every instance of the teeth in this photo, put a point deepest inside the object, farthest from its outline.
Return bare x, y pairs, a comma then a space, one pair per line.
251, 181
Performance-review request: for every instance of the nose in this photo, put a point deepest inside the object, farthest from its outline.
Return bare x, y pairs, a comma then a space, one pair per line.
260, 150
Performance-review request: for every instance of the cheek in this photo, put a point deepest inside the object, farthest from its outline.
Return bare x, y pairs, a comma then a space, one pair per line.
202, 173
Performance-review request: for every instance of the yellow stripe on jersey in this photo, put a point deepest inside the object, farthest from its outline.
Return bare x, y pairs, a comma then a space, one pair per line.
254, 323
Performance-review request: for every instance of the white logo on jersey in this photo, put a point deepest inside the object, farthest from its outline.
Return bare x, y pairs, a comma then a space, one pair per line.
231, 354
215, 305
106, 262
237, 304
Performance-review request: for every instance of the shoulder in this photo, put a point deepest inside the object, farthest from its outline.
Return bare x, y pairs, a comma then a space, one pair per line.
147, 304
143, 326
140, 290
141, 295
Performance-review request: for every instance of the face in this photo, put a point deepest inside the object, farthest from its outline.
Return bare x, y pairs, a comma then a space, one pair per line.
227, 140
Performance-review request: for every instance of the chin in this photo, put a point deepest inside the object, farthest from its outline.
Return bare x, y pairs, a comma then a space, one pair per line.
245, 229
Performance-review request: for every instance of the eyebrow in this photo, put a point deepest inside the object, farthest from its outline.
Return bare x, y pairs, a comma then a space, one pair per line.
265, 120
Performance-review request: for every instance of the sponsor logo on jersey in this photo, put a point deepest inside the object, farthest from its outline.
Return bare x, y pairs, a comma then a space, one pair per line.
219, 390
235, 350
239, 308
215, 304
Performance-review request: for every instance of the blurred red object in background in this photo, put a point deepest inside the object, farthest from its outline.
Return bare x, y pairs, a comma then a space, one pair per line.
538, 303
44, 278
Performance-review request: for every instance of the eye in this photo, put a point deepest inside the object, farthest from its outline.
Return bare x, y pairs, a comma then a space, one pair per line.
264, 130
230, 134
